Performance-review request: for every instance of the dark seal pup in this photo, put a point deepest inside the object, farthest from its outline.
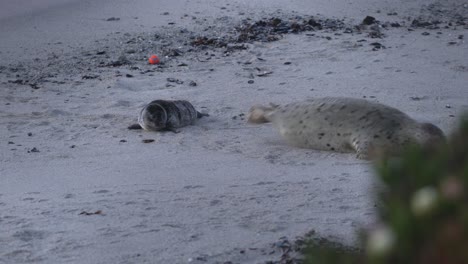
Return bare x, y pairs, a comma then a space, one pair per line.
161, 115
345, 125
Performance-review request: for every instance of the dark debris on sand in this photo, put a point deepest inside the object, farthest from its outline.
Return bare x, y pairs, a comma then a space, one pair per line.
292, 251
222, 36
269, 29
437, 16
283, 251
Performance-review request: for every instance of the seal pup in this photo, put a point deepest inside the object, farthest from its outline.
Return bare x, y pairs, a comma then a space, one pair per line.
160, 115
346, 125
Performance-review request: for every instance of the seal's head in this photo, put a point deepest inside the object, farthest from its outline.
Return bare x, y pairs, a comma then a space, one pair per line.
153, 117
260, 114
430, 135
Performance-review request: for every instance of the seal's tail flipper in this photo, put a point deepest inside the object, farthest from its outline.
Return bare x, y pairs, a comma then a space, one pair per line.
259, 114
200, 115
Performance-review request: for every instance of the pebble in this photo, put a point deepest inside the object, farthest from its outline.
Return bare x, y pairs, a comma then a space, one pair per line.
418, 23
417, 98
122, 60
174, 80
368, 20
89, 76
35, 150
98, 212
377, 45
264, 73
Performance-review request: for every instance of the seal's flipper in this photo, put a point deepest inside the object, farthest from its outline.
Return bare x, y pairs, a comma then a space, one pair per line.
174, 130
134, 126
365, 150
200, 115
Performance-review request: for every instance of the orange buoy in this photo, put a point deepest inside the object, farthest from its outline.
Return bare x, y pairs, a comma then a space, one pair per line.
153, 59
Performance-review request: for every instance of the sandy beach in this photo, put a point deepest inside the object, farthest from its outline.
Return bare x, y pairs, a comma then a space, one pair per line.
77, 186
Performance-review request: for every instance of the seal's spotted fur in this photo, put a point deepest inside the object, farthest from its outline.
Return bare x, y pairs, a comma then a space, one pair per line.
346, 124
161, 115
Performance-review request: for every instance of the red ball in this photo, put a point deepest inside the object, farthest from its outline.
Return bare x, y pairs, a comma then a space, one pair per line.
153, 59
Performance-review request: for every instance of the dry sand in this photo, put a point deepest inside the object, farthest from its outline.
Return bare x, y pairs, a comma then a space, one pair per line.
76, 186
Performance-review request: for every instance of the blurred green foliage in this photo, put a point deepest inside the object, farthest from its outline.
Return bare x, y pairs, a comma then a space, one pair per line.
423, 209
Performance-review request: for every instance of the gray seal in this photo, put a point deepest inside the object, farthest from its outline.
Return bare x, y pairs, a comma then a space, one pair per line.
346, 125
160, 115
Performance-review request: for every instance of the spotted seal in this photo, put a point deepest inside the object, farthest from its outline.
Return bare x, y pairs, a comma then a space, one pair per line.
345, 125
160, 115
